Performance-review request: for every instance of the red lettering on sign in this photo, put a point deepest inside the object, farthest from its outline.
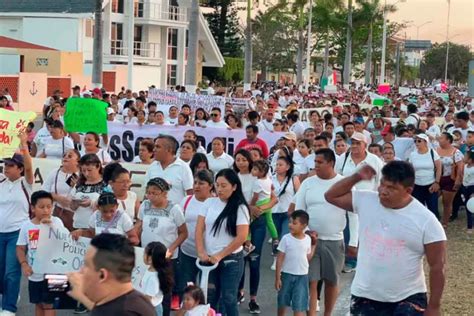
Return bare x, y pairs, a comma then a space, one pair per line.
5, 139
4, 124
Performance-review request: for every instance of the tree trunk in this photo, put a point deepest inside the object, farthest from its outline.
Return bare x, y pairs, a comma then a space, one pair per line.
97, 46
222, 23
326, 57
348, 55
193, 36
264, 72
299, 58
368, 59
248, 48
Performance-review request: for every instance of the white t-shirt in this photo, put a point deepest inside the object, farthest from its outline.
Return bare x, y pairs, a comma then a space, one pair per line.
29, 236
285, 199
56, 183
56, 148
199, 310
296, 254
160, 224
350, 168
120, 224
191, 213
41, 136
220, 124
391, 248
298, 128
304, 165
216, 164
265, 125
103, 155
128, 205
263, 187
14, 206
403, 147
83, 214
468, 178
150, 286
424, 166
178, 174
217, 242
247, 181
325, 218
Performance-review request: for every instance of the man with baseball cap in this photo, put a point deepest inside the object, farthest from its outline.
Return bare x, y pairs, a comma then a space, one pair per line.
348, 164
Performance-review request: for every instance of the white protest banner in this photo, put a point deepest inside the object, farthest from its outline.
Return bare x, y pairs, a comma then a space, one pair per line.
305, 114
124, 139
58, 253
404, 91
164, 99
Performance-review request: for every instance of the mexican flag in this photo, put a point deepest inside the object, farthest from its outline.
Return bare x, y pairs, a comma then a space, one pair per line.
377, 99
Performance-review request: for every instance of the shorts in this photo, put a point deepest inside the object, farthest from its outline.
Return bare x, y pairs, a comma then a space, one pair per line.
37, 291
446, 184
294, 292
413, 305
328, 261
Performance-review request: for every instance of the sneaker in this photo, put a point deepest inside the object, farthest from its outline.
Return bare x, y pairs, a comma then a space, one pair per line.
275, 246
240, 298
80, 309
175, 302
348, 269
274, 264
317, 306
6, 313
270, 241
253, 307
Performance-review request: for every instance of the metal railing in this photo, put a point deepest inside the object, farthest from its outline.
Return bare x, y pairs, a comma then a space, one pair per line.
158, 11
140, 49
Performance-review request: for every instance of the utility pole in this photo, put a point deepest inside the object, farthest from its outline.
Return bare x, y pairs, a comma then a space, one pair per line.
348, 55
447, 44
384, 45
193, 42
97, 46
308, 49
130, 42
397, 74
248, 48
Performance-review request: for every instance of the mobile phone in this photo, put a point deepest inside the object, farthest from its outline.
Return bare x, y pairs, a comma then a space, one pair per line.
70, 180
55, 290
57, 282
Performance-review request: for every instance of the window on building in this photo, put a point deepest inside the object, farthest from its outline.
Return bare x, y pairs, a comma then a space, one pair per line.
90, 28
137, 41
172, 44
116, 44
172, 71
117, 6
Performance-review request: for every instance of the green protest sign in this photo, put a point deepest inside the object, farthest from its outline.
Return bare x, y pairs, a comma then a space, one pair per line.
85, 115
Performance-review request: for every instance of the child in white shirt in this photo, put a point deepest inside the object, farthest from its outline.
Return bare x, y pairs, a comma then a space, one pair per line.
291, 279
194, 303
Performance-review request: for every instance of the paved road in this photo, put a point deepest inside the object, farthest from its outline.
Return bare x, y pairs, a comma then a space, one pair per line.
266, 298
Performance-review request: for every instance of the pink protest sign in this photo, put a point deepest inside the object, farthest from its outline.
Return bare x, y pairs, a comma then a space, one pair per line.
384, 88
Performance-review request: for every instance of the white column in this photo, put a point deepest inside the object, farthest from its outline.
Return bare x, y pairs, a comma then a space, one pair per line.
181, 57
164, 58
130, 37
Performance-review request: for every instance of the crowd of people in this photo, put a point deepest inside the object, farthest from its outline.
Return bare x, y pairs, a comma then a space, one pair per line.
354, 188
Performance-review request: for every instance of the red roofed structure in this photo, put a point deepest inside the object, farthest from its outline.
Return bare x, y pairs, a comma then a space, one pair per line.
6, 42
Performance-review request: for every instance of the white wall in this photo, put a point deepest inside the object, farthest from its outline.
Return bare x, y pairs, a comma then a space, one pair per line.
11, 27
9, 64
145, 76
58, 33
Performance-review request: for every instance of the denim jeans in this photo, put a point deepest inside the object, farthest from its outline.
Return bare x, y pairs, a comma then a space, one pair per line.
189, 271
467, 192
258, 230
10, 271
349, 261
224, 283
410, 306
281, 223
422, 194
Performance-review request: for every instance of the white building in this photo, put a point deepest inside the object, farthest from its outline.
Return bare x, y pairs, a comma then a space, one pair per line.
158, 29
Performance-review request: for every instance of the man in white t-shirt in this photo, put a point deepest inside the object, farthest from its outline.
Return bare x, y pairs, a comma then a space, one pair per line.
329, 221
169, 167
216, 119
395, 233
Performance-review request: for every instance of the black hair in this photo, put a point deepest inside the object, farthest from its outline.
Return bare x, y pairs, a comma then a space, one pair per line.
449, 136
96, 137
205, 116
376, 146
89, 160
322, 137
347, 124
109, 169
206, 176
41, 194
301, 216
117, 172
164, 267
253, 115
151, 103
342, 135
289, 173
411, 108
171, 143
292, 116
327, 154
196, 160
262, 166
196, 293
185, 116
257, 149
115, 254
399, 172
216, 109
286, 151
470, 155
159, 183
462, 116
236, 200
247, 155
254, 128
185, 106
107, 198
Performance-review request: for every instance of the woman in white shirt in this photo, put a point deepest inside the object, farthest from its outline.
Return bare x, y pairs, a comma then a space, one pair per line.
428, 168
15, 192
202, 190
91, 145
60, 182
145, 152
201, 117
127, 200
187, 150
221, 230
218, 159
58, 144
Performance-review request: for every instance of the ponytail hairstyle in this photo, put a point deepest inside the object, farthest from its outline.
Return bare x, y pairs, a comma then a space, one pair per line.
289, 173
164, 268
229, 213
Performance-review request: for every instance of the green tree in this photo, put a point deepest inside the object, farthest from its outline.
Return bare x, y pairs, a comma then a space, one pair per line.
433, 64
224, 26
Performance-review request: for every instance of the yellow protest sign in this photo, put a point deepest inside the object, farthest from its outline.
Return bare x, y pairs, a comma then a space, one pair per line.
11, 123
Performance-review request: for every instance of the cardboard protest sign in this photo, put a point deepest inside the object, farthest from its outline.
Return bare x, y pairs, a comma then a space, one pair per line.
58, 253
384, 88
11, 123
165, 99
85, 115
404, 91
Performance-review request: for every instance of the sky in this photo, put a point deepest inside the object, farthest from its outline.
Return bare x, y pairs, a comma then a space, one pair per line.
421, 11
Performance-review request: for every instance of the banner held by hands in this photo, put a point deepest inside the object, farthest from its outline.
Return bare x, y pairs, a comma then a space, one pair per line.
12, 123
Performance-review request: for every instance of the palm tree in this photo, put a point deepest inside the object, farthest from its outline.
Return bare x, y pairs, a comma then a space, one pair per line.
248, 48
193, 42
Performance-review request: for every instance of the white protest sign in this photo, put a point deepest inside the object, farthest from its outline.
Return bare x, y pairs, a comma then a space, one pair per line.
58, 253
305, 114
164, 99
404, 91
124, 139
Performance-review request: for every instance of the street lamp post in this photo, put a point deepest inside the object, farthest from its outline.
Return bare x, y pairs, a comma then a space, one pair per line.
308, 49
447, 44
418, 27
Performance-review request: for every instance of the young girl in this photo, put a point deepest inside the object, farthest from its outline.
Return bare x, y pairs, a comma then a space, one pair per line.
302, 166
467, 189
194, 303
262, 190
158, 279
108, 219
